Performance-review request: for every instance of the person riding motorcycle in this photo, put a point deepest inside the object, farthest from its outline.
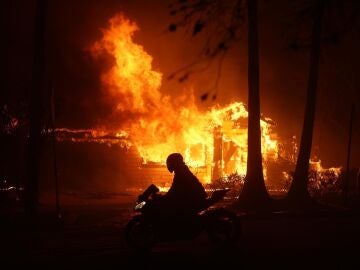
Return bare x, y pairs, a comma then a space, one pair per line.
186, 195
183, 213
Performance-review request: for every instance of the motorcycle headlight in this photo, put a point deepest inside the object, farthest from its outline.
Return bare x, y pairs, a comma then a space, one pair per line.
139, 205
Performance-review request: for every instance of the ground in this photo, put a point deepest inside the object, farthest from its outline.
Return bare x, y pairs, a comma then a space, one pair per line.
92, 229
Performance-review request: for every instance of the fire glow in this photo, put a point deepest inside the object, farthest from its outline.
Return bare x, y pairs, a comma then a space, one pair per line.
215, 140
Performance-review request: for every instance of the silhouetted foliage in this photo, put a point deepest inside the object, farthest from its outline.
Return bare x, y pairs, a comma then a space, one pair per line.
172, 27
222, 21
198, 27
204, 96
340, 17
234, 182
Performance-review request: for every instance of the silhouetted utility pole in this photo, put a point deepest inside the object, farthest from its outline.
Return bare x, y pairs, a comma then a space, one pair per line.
346, 178
36, 95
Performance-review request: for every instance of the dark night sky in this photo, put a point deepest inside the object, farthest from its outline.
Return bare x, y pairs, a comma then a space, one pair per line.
72, 26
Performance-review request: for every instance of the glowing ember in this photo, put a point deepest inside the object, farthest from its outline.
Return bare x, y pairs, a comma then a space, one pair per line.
215, 140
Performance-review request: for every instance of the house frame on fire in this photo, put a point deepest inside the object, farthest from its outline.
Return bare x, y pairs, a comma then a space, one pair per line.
228, 156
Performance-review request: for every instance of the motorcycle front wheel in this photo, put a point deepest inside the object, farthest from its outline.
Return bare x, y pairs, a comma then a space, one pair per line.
139, 235
223, 228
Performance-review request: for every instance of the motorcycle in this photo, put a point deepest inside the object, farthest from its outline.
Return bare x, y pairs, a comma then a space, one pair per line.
146, 229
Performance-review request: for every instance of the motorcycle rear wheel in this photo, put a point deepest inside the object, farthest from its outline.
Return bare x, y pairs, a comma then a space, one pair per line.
223, 228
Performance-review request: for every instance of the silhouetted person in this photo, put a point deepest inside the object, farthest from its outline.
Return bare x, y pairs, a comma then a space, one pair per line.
186, 195
186, 190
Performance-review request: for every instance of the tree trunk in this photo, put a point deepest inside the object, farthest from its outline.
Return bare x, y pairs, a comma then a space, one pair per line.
32, 184
345, 185
254, 194
298, 193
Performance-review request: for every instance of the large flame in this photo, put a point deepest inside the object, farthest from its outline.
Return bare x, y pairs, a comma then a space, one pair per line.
216, 138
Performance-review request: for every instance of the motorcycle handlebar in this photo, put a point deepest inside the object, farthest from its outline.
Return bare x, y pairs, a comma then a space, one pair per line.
152, 189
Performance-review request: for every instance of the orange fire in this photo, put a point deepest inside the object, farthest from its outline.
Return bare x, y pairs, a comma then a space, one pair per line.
316, 165
214, 140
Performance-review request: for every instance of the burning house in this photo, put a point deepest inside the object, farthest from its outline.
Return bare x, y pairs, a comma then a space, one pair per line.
153, 125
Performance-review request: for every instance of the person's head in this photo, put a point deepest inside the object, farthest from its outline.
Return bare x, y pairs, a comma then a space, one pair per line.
174, 161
